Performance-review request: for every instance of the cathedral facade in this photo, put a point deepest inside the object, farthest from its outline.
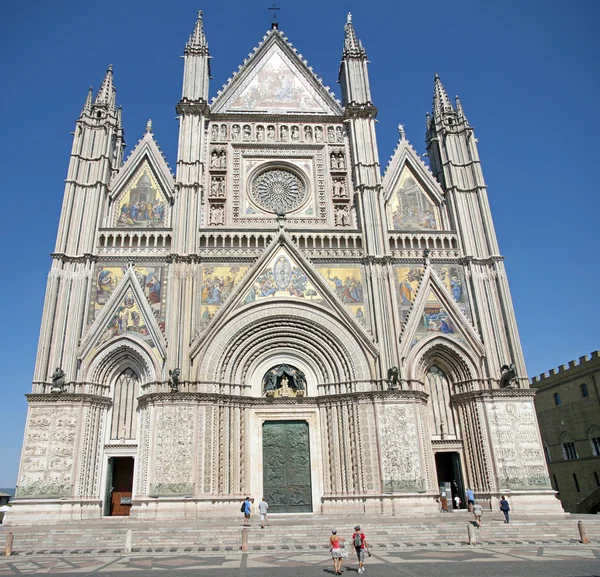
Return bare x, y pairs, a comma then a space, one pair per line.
279, 318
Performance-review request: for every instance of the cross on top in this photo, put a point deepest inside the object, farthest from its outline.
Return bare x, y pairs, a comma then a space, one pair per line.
274, 24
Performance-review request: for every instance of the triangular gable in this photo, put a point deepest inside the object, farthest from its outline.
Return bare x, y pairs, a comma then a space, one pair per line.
127, 313
141, 193
275, 80
282, 272
434, 313
412, 194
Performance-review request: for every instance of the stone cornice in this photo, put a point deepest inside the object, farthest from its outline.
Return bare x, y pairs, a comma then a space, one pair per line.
266, 118
73, 398
493, 394
474, 260
186, 106
354, 110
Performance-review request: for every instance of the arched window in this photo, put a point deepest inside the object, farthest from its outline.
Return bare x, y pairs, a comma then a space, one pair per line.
124, 414
441, 415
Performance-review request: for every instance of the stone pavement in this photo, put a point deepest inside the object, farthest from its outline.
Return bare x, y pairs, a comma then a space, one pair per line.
454, 561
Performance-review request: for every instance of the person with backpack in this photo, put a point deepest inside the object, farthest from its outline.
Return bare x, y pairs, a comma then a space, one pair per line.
505, 508
360, 544
246, 510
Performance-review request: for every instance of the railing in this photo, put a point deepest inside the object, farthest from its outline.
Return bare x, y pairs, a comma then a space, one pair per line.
234, 239
368, 386
327, 240
73, 388
422, 241
124, 239
197, 387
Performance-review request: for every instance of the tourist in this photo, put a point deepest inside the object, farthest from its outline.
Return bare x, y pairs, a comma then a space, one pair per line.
262, 509
360, 543
457, 502
337, 552
477, 512
246, 510
470, 500
505, 508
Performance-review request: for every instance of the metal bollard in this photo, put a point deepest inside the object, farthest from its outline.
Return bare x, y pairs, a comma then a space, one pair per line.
128, 540
472, 535
582, 533
9, 545
245, 539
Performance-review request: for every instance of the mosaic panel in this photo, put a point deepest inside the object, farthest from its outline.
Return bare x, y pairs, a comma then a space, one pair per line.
409, 207
217, 283
346, 283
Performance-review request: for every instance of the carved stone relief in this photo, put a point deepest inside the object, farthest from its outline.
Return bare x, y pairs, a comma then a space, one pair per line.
47, 465
400, 448
514, 437
173, 451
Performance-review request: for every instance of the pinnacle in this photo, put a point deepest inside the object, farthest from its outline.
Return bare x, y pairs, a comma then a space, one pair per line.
87, 106
459, 110
352, 46
106, 94
441, 102
197, 40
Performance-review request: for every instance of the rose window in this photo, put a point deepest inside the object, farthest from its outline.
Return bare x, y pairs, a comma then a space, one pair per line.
278, 191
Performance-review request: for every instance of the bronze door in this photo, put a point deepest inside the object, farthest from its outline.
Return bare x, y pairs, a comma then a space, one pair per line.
286, 467
122, 486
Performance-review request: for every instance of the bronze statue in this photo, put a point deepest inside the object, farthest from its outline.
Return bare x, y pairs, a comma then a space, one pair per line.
393, 378
509, 376
174, 380
59, 380
270, 382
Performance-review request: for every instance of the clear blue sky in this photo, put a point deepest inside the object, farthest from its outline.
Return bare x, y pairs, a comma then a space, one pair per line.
526, 71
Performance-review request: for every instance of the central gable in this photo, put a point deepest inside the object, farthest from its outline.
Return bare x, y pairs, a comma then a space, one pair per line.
276, 81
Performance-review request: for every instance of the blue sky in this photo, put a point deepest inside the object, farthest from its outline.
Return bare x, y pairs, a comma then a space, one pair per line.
526, 71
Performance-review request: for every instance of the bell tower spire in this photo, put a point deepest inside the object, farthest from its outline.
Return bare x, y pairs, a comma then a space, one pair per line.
196, 67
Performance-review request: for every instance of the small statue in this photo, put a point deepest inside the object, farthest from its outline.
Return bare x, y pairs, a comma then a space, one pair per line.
270, 382
174, 380
509, 377
300, 380
59, 380
393, 378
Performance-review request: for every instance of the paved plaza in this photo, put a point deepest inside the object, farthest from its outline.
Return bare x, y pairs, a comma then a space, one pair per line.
461, 560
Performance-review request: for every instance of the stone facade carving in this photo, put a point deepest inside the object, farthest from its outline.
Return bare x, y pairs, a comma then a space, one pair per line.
173, 451
400, 450
515, 439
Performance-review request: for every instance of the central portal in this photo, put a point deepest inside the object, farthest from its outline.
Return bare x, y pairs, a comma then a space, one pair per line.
286, 467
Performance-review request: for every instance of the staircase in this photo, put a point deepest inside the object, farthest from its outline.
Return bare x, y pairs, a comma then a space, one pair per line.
291, 533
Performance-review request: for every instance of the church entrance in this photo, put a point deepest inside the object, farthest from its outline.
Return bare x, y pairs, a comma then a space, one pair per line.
450, 480
120, 486
286, 466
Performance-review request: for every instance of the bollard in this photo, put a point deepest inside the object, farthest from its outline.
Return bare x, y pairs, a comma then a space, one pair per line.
582, 533
245, 539
9, 544
128, 540
472, 535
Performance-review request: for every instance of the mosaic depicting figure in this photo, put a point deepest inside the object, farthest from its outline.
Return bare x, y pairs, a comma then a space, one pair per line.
128, 320
142, 204
409, 207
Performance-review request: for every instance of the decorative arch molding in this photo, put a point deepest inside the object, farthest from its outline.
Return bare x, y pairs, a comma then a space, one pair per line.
566, 437
119, 355
312, 337
456, 362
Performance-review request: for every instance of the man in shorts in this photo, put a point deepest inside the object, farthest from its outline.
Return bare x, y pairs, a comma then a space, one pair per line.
360, 544
263, 506
470, 500
246, 510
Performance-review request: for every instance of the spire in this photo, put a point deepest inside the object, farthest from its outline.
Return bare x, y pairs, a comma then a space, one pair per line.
460, 113
105, 94
120, 118
441, 102
87, 105
197, 42
352, 46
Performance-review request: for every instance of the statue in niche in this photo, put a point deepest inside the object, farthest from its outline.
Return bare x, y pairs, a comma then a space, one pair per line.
339, 189
283, 133
295, 133
216, 214
235, 132
341, 160
284, 381
509, 377
319, 133
223, 132
223, 159
330, 134
260, 133
174, 380
339, 134
270, 132
214, 132
341, 216
214, 159
393, 378
333, 160
308, 136
247, 132
59, 380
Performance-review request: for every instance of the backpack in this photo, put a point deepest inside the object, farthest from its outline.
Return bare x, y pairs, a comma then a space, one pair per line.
243, 509
358, 540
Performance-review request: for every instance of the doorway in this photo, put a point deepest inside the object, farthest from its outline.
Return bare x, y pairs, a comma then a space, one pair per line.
449, 472
120, 486
286, 466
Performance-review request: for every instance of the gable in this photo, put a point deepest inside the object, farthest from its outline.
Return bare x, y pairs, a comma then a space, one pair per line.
410, 207
275, 81
142, 203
